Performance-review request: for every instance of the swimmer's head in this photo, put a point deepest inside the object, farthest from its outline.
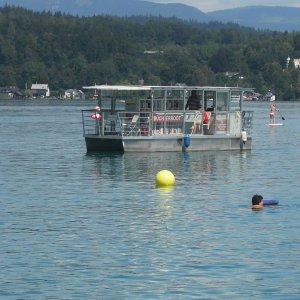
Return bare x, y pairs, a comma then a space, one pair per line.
257, 201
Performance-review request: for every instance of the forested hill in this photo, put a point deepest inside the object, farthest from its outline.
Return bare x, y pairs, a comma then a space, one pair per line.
69, 52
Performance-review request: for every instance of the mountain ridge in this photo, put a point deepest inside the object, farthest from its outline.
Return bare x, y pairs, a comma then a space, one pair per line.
278, 18
275, 18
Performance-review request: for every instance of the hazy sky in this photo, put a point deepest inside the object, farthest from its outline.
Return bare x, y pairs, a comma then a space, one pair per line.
211, 5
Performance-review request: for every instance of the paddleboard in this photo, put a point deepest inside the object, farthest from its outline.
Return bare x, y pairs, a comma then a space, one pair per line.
275, 124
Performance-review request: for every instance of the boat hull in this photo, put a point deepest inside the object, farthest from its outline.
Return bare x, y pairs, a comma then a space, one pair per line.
164, 143
101, 144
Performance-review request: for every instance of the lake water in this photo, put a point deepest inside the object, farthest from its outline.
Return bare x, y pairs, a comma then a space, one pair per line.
78, 226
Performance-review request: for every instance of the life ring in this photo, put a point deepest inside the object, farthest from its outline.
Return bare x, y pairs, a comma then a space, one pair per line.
270, 202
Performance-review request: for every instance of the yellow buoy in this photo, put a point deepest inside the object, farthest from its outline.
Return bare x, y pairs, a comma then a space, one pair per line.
164, 178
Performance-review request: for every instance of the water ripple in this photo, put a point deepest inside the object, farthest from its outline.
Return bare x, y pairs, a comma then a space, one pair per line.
78, 226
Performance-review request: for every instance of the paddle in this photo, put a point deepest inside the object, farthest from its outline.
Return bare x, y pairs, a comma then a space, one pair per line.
280, 114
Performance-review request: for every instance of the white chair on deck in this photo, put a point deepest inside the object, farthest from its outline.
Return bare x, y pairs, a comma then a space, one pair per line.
133, 125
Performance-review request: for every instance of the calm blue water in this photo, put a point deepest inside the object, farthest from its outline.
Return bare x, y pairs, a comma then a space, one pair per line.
78, 226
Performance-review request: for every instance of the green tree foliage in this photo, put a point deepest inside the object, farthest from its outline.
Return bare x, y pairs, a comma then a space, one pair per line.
69, 52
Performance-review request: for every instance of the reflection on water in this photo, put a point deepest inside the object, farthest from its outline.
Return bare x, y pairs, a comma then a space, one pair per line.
165, 204
144, 165
94, 226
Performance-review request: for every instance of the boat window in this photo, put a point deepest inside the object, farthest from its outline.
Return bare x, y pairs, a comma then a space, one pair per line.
209, 100
145, 104
120, 104
235, 101
158, 104
175, 100
222, 104
175, 104
105, 104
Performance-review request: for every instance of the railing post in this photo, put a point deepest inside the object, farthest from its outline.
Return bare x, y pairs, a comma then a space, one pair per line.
183, 125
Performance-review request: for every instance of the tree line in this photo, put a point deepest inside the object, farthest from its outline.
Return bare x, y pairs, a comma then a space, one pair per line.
69, 52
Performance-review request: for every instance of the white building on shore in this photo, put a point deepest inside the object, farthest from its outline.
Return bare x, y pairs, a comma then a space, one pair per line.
40, 90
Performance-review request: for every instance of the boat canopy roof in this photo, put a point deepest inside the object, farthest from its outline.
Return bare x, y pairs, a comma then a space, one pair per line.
154, 87
117, 87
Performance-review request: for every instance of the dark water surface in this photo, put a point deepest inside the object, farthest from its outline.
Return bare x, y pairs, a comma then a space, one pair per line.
78, 226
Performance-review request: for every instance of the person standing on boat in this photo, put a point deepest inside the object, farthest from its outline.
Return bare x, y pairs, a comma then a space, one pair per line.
197, 120
193, 102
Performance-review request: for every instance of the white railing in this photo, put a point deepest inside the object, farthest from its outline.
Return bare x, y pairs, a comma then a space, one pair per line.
158, 123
